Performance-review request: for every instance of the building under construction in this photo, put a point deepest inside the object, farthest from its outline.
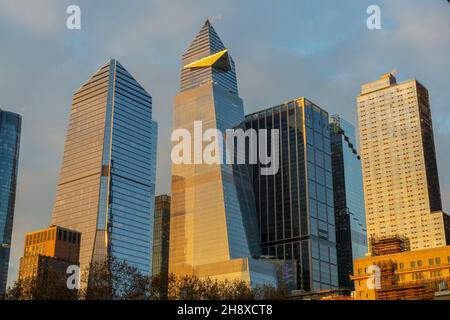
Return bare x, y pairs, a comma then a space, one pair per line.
394, 273
391, 288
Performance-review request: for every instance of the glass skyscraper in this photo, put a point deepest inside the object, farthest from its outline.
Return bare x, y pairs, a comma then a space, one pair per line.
161, 236
10, 128
107, 180
213, 231
351, 233
296, 207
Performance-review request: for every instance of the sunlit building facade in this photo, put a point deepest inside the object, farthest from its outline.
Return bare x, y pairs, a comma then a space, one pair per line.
351, 233
107, 180
213, 230
49, 250
10, 129
416, 275
401, 184
295, 206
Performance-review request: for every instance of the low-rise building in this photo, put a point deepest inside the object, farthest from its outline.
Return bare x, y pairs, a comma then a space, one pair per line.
48, 253
407, 275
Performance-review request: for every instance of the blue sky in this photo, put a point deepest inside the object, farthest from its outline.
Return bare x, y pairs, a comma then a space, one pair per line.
320, 49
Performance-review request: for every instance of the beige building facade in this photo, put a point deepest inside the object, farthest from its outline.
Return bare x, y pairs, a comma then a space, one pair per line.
400, 173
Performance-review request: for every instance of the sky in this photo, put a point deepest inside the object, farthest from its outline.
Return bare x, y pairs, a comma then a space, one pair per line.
320, 49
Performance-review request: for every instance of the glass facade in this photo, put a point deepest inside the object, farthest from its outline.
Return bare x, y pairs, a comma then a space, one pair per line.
296, 207
213, 228
161, 234
107, 180
351, 233
10, 128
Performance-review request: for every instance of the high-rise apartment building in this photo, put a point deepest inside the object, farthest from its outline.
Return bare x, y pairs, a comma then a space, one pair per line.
401, 184
295, 207
351, 233
161, 236
213, 229
10, 128
107, 180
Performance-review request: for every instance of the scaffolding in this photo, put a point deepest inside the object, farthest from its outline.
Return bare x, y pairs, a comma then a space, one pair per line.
392, 289
411, 291
389, 245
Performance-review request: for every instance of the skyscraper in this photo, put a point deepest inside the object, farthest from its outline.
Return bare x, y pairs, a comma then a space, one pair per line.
107, 180
351, 233
400, 173
10, 128
161, 235
295, 207
213, 231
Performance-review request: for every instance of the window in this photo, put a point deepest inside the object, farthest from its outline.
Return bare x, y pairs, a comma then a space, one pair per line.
413, 264
417, 276
431, 262
419, 263
402, 266
438, 260
435, 274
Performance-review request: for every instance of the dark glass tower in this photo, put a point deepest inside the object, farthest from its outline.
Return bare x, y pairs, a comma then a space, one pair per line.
351, 233
296, 206
10, 127
107, 180
161, 234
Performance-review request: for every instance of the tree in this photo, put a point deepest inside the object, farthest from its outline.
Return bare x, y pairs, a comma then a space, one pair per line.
50, 285
193, 288
159, 286
115, 279
21, 290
